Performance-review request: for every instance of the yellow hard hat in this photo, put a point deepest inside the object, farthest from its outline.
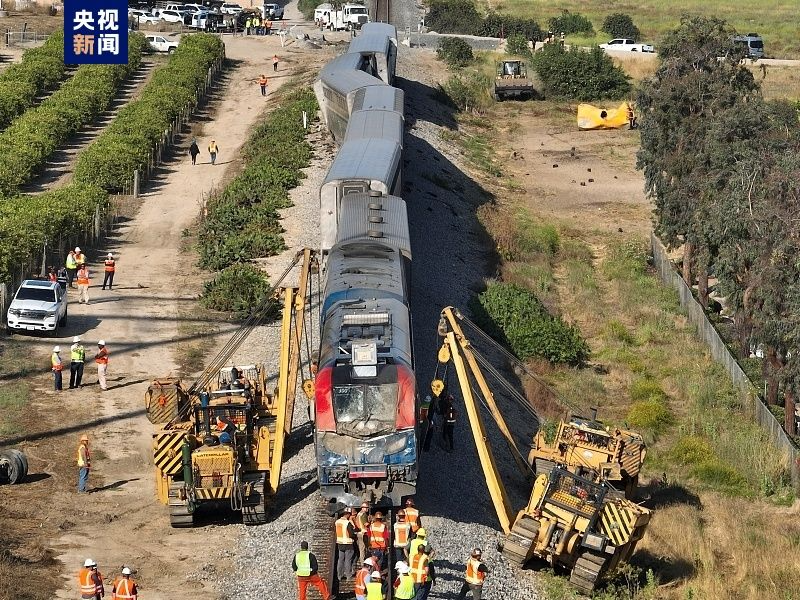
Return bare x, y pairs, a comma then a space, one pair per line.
84, 438
421, 532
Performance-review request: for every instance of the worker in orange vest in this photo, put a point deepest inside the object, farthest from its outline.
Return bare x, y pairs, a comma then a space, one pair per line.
419, 567
345, 546
379, 537
109, 267
402, 534
90, 581
262, 81
101, 359
412, 516
362, 577
80, 258
56, 365
125, 587
475, 576
83, 284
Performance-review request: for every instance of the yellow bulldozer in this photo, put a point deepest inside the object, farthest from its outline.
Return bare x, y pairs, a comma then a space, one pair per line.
587, 447
512, 81
222, 440
581, 524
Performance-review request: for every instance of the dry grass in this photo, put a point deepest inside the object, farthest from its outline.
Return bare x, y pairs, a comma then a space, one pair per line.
778, 82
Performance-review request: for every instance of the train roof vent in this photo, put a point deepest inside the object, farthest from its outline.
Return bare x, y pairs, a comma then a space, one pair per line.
375, 194
374, 233
375, 219
366, 319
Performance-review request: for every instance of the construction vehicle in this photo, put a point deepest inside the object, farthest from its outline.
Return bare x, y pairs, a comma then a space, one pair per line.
511, 80
222, 439
584, 526
588, 448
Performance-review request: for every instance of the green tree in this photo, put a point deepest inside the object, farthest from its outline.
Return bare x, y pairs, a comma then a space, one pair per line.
455, 52
516, 44
575, 74
620, 25
698, 79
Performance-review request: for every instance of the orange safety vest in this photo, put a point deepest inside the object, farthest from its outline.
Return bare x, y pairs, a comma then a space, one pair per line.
474, 576
55, 362
419, 567
402, 532
102, 358
342, 533
360, 587
124, 589
83, 276
87, 584
84, 458
110, 265
412, 517
262, 81
376, 539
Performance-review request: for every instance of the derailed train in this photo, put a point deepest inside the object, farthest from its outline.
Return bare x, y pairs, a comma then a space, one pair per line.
366, 412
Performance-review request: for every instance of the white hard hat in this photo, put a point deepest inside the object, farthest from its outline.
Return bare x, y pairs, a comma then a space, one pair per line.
101, 343
404, 569
126, 571
110, 255
375, 575
56, 348
77, 249
368, 561
399, 564
89, 563
76, 339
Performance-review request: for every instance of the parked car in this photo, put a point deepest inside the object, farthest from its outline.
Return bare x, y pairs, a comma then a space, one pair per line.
752, 43
161, 44
626, 45
194, 8
37, 306
142, 17
229, 8
272, 11
171, 16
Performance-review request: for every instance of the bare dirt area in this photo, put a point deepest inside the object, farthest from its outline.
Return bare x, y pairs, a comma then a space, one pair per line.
582, 178
50, 529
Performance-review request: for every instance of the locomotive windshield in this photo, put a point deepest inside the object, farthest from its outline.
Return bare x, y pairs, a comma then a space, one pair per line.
365, 405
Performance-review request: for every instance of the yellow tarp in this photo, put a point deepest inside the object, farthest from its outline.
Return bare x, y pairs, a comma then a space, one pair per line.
591, 117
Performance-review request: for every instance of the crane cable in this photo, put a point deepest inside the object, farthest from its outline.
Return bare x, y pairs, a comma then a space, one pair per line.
255, 318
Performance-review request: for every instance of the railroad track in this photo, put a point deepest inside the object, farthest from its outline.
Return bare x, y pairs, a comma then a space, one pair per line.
383, 11
323, 545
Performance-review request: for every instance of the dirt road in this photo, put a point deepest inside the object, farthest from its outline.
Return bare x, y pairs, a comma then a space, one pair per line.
120, 522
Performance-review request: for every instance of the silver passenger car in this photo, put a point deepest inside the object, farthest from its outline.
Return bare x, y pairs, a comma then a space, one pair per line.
380, 50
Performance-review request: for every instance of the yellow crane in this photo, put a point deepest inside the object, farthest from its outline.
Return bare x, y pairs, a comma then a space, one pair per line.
581, 524
223, 438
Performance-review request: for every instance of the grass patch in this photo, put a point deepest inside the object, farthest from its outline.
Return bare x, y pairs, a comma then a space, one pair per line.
13, 399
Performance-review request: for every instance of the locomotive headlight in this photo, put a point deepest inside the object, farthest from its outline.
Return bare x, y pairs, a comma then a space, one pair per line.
399, 442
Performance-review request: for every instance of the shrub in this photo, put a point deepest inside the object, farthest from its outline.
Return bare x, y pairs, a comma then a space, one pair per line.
453, 16
721, 475
626, 259
243, 221
691, 450
516, 317
128, 142
39, 71
620, 25
36, 134
517, 44
236, 289
468, 92
307, 8
646, 389
569, 23
576, 74
455, 52
500, 25
652, 415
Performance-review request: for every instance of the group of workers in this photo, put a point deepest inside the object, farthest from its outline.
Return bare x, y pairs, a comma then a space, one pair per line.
360, 531
77, 361
92, 587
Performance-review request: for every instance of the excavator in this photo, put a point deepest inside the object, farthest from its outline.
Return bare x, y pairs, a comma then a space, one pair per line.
222, 439
580, 523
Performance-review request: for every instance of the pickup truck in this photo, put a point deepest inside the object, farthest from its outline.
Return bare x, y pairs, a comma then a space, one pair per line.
161, 44
272, 11
626, 45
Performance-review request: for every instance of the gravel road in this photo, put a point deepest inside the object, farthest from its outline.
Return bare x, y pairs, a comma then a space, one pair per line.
451, 258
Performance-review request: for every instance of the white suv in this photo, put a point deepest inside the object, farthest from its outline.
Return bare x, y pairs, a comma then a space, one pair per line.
161, 44
37, 306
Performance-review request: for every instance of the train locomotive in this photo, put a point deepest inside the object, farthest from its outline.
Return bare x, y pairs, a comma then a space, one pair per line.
365, 408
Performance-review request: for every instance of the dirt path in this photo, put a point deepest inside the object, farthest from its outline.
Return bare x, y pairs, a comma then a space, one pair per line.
121, 522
